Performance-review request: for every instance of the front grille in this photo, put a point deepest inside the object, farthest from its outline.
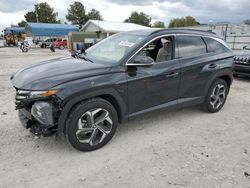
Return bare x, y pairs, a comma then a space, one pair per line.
242, 60
21, 97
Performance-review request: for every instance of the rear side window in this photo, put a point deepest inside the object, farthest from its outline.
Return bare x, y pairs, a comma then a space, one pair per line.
190, 46
214, 45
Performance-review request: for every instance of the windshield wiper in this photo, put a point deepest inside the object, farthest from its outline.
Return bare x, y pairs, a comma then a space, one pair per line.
85, 58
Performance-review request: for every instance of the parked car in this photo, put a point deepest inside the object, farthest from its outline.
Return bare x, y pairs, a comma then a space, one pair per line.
123, 76
247, 47
47, 42
61, 43
241, 65
2, 42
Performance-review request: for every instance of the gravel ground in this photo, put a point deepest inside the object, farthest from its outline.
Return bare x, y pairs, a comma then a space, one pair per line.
181, 148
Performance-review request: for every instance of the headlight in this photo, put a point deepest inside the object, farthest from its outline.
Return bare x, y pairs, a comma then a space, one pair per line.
22, 94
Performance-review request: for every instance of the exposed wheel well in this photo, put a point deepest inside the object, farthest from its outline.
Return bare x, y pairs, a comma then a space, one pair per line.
227, 80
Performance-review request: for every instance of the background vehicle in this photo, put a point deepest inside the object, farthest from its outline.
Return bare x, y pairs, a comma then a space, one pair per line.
47, 42
61, 43
247, 47
242, 65
24, 46
2, 42
13, 35
123, 76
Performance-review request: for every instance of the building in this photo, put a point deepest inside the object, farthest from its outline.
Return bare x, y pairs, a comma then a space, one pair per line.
46, 30
236, 35
105, 28
13, 30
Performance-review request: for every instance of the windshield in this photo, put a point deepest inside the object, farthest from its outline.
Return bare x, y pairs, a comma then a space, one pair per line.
114, 48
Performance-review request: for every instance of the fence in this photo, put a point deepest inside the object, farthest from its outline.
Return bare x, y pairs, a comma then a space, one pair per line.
237, 42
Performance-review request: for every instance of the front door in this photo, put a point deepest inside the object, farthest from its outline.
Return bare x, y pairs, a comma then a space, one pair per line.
157, 85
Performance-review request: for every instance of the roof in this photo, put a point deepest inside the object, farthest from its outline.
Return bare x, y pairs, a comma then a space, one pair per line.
112, 27
48, 29
14, 29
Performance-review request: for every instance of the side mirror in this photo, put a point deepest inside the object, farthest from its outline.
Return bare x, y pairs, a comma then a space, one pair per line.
141, 60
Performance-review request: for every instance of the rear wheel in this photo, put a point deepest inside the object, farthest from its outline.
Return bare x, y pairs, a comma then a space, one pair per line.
216, 96
91, 124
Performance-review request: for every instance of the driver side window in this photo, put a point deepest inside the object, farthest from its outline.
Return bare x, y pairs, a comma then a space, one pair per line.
160, 50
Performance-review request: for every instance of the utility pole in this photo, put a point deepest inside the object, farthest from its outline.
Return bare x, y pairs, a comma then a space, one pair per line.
36, 16
225, 37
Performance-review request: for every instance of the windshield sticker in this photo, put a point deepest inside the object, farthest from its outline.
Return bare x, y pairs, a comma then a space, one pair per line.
126, 43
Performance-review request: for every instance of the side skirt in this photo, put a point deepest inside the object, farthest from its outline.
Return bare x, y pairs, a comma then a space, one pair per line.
176, 104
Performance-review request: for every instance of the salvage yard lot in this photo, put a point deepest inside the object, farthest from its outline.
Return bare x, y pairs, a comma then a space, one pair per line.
180, 148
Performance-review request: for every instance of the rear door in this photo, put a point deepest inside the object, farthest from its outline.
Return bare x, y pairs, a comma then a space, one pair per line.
197, 66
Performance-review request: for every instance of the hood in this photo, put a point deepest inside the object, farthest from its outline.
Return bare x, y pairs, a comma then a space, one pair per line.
45, 75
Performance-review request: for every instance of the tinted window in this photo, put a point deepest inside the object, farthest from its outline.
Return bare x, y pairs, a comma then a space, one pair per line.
214, 46
190, 46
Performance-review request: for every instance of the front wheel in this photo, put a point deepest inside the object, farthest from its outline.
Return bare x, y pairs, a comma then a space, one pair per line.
91, 124
216, 96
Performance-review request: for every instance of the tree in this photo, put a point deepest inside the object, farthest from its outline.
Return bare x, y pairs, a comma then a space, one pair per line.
183, 22
22, 23
77, 14
247, 22
139, 18
30, 16
45, 13
94, 15
158, 24
42, 13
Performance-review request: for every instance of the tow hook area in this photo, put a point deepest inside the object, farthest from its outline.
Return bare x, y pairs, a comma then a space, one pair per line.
38, 130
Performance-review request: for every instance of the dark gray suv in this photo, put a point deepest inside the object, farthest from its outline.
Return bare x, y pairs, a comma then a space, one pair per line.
125, 75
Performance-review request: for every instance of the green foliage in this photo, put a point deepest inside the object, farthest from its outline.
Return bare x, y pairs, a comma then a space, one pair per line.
247, 22
158, 24
77, 14
139, 18
42, 13
94, 15
183, 22
45, 13
30, 16
22, 23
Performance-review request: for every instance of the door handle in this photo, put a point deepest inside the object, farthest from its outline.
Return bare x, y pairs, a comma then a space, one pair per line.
212, 65
172, 74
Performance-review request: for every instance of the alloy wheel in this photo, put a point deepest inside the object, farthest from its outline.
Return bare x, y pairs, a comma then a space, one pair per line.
218, 96
93, 126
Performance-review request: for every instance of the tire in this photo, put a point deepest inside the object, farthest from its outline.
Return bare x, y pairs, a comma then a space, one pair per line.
216, 96
82, 130
61, 47
235, 75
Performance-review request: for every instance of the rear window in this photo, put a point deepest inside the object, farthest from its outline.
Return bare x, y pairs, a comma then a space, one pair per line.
190, 46
214, 45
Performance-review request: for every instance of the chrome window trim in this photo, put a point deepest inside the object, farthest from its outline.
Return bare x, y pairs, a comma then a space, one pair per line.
167, 35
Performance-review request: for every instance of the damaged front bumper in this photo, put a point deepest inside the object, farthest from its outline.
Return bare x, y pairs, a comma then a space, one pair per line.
39, 118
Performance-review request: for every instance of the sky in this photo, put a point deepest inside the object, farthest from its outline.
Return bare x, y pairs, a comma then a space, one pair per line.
205, 11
